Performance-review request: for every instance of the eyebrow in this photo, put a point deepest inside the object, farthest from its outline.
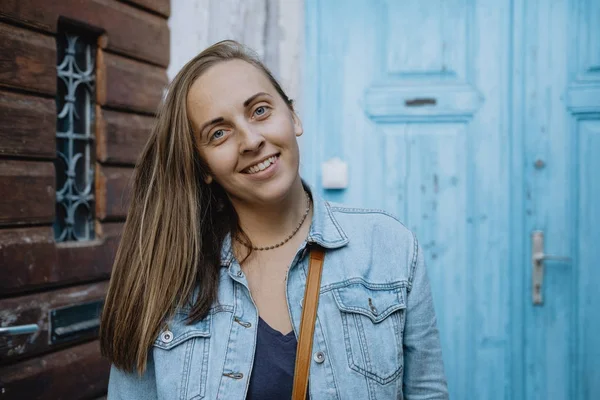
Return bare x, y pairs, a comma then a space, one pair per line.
251, 98
221, 119
209, 123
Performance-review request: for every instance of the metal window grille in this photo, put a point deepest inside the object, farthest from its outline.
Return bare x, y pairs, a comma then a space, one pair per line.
75, 101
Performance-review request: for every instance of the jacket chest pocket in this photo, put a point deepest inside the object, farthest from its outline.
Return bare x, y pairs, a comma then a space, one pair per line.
181, 359
373, 324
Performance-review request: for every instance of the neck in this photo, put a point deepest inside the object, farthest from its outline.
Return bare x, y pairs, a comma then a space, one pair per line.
269, 224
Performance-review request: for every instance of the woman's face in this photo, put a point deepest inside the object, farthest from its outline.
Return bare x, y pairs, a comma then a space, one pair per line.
245, 132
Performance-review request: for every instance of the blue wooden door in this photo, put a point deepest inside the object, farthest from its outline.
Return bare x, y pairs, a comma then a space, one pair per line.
559, 108
478, 124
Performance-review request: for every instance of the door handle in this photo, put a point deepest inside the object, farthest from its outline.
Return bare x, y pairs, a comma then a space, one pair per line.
537, 263
19, 330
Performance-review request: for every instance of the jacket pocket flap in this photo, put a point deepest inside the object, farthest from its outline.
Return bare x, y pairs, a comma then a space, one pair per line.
375, 303
178, 331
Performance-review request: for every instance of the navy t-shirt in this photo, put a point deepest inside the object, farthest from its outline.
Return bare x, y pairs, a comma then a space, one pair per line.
273, 372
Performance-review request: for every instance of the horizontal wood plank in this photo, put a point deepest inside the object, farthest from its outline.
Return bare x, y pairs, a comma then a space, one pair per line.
28, 60
121, 136
27, 126
162, 7
113, 190
129, 30
30, 259
129, 85
24, 257
94, 260
34, 309
28, 192
77, 372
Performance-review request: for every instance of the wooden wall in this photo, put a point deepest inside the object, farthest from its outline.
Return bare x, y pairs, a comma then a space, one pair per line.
37, 274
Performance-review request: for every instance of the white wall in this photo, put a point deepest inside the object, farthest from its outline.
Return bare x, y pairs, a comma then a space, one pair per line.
273, 28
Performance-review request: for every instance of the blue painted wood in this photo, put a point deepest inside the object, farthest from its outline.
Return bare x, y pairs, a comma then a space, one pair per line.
518, 270
587, 254
394, 102
441, 110
562, 76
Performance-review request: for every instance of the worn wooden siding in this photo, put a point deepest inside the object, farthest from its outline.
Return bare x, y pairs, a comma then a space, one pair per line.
37, 274
133, 53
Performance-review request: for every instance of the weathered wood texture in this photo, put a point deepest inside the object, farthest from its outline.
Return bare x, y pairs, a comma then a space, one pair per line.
27, 126
274, 28
162, 7
113, 190
24, 255
130, 31
28, 194
127, 84
30, 259
120, 136
35, 271
34, 309
28, 61
75, 373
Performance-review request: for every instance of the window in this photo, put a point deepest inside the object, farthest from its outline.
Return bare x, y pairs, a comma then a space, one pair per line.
75, 102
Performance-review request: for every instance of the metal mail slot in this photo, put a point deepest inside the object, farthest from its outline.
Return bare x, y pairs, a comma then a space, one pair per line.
420, 102
75, 322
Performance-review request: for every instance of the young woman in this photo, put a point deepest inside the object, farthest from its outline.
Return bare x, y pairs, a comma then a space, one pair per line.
206, 291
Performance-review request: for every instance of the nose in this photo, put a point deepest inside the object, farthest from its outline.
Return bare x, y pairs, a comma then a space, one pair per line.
251, 140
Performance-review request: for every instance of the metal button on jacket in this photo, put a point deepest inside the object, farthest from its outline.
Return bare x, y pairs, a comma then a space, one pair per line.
234, 375
242, 323
319, 357
166, 336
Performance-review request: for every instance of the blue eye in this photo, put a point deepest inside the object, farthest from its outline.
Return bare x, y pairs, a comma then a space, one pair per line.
218, 134
260, 111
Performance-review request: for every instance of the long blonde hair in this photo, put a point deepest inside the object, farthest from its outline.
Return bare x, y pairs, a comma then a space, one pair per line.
175, 226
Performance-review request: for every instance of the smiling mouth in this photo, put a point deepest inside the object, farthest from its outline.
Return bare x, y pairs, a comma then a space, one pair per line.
261, 166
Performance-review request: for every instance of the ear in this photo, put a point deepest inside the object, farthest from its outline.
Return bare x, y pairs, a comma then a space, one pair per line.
208, 179
298, 130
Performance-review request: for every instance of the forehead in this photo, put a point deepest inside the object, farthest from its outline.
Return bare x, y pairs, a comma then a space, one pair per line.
227, 84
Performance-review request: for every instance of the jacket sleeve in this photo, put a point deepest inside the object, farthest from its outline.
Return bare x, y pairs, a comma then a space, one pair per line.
424, 377
124, 385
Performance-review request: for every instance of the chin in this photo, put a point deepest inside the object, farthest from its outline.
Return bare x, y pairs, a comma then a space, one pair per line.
275, 189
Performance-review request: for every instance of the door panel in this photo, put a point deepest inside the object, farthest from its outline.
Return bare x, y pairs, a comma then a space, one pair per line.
477, 123
583, 100
425, 186
547, 203
586, 258
561, 127
405, 93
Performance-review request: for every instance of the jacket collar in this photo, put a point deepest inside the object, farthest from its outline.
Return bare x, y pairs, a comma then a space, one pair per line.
324, 231
324, 228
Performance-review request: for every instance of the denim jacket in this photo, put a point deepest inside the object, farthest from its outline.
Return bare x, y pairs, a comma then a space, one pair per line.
375, 334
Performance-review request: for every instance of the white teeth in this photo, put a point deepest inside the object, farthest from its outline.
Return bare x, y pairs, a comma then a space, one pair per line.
262, 166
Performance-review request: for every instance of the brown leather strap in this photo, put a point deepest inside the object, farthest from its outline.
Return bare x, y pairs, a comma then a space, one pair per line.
307, 324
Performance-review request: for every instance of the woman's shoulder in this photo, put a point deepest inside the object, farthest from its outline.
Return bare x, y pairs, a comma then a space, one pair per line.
340, 208
360, 222
380, 246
